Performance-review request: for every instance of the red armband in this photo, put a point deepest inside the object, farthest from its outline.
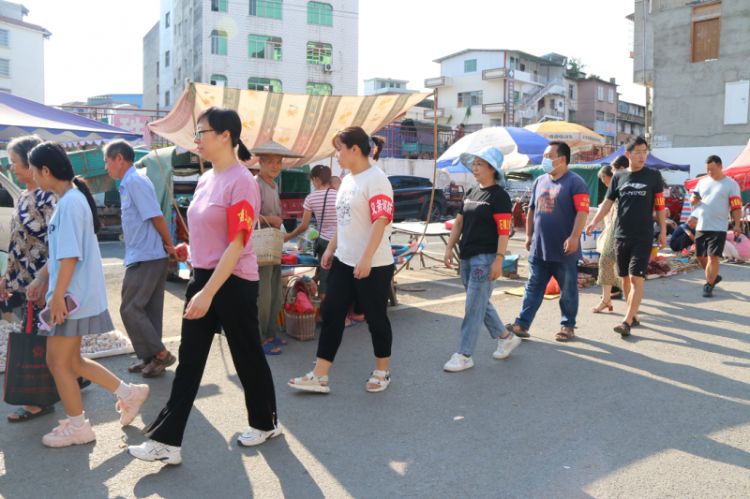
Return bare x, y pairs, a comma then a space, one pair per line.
503, 223
240, 216
581, 202
659, 201
381, 206
735, 203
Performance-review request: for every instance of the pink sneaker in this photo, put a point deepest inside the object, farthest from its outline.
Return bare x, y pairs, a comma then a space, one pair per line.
66, 435
129, 407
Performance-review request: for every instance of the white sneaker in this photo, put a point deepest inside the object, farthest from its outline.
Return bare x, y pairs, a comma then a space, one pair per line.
253, 437
129, 407
458, 363
504, 347
154, 451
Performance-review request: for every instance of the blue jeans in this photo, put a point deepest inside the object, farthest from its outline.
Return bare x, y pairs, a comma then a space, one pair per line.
475, 274
566, 275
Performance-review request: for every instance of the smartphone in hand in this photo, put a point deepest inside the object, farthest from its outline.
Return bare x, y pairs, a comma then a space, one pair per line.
45, 316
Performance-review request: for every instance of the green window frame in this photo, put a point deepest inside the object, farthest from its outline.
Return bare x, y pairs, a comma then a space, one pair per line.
219, 5
319, 53
470, 66
215, 79
319, 13
261, 83
264, 47
266, 8
319, 89
218, 42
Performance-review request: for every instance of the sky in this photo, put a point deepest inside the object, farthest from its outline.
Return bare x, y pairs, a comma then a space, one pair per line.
97, 45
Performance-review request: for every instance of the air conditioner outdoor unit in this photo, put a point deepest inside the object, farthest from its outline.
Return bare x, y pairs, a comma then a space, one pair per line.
328, 68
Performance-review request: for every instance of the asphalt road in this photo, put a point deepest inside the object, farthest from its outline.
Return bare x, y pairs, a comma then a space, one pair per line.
662, 414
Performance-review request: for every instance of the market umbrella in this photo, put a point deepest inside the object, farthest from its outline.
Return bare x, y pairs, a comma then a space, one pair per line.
19, 117
519, 147
573, 134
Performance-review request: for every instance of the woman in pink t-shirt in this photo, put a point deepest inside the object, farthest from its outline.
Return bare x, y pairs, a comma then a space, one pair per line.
359, 258
223, 292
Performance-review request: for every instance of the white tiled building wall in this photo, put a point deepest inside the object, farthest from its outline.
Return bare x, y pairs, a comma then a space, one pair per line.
192, 49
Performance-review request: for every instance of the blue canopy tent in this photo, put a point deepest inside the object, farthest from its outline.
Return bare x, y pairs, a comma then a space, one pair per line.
652, 161
19, 117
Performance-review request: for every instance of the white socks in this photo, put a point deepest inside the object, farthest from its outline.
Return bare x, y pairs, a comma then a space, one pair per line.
78, 421
123, 391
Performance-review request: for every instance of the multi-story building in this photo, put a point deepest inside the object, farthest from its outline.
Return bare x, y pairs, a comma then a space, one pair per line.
294, 46
21, 53
480, 88
597, 106
631, 121
694, 57
377, 86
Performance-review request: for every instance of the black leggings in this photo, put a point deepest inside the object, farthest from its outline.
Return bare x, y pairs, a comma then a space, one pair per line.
371, 293
235, 308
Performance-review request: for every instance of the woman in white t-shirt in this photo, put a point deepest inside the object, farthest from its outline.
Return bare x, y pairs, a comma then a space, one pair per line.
359, 258
322, 202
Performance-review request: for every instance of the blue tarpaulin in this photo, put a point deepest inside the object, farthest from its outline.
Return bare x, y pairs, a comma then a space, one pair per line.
652, 161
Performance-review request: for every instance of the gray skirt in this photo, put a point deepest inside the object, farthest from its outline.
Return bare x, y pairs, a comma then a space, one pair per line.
71, 328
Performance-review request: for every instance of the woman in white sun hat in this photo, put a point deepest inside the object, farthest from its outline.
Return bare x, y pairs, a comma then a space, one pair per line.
483, 226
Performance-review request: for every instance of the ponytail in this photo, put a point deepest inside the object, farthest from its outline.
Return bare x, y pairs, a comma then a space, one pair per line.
242, 152
379, 145
54, 157
84, 188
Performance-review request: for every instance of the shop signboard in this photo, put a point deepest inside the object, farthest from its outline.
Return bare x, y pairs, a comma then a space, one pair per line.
605, 128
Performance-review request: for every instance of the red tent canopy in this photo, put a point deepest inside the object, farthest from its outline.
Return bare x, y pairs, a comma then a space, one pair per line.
739, 166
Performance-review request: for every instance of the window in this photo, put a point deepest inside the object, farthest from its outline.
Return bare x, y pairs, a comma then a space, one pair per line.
219, 42
264, 85
319, 89
264, 47
382, 84
391, 84
611, 96
319, 53
218, 80
398, 85
570, 92
600, 93
5, 68
319, 13
166, 98
515, 96
623, 107
523, 67
4, 38
6, 90
266, 8
512, 62
610, 117
179, 73
572, 116
219, 5
166, 59
600, 115
706, 32
736, 102
167, 20
466, 99
470, 66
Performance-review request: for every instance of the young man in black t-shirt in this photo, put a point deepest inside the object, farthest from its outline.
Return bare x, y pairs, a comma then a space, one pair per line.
640, 191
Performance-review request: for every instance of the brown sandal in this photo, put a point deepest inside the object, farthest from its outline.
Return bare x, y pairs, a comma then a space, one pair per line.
518, 330
158, 366
137, 368
566, 334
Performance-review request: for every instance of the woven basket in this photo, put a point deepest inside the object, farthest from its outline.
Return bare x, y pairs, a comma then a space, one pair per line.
301, 326
268, 245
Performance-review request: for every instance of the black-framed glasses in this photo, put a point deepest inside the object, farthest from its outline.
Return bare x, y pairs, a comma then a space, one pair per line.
197, 133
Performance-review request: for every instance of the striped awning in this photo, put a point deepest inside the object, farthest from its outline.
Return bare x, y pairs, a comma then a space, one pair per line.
303, 123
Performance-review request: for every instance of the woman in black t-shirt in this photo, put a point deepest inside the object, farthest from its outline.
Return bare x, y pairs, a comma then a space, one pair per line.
483, 224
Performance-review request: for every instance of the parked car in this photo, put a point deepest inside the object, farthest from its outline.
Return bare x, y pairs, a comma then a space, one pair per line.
411, 198
9, 195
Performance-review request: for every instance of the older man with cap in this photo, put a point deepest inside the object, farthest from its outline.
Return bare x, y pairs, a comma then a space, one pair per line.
483, 225
557, 214
270, 298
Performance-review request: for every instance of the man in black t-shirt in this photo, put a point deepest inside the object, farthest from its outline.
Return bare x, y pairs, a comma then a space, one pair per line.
640, 191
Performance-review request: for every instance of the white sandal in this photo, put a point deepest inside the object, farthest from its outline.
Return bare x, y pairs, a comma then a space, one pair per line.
382, 383
311, 384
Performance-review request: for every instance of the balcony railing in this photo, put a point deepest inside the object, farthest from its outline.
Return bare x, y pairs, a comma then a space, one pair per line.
429, 114
440, 81
529, 77
548, 112
498, 108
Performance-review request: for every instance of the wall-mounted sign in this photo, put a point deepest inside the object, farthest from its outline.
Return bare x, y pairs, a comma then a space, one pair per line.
605, 128
509, 98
